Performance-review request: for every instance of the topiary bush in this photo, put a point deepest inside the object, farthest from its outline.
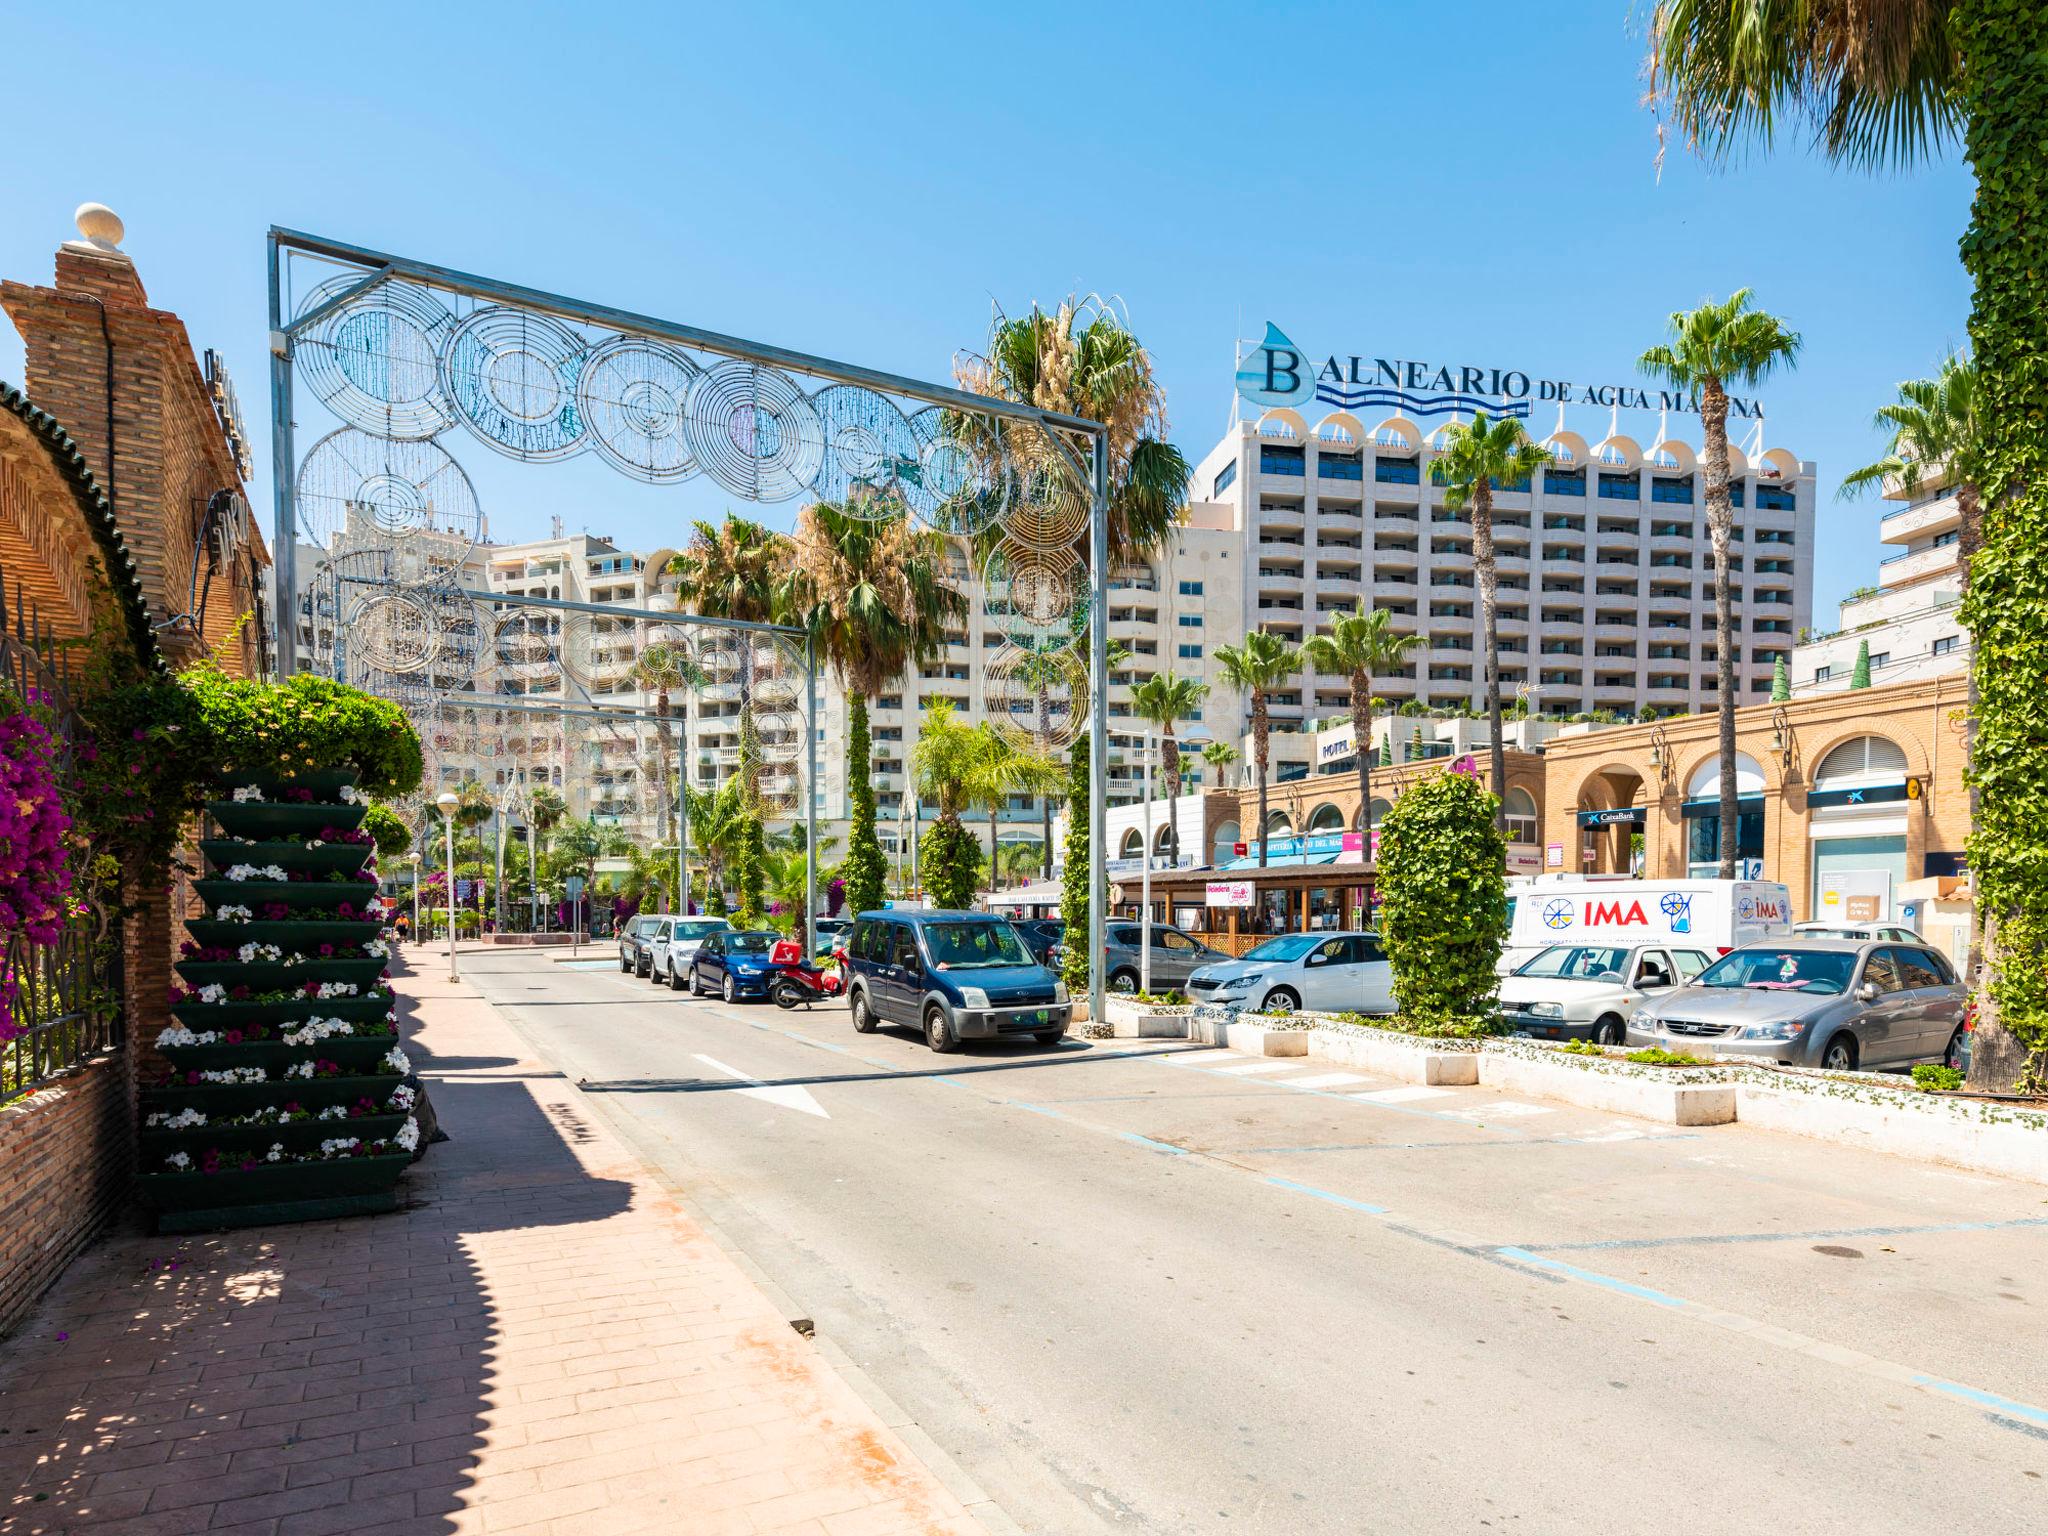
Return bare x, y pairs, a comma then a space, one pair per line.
951, 860
1443, 894
252, 728
1075, 958
387, 829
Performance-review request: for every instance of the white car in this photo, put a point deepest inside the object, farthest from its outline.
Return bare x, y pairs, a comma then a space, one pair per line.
1891, 933
674, 946
1588, 991
1326, 972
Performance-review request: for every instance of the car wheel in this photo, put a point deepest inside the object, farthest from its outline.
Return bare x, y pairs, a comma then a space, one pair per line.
1840, 1054
938, 1032
645, 967
863, 1016
1952, 1058
732, 992
625, 964
1124, 981
675, 979
1282, 997
1610, 1031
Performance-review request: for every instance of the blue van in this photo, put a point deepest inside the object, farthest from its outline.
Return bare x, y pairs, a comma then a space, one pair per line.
954, 975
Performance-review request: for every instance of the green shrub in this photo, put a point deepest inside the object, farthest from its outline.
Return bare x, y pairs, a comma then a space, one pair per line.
1657, 1056
393, 837
248, 727
1930, 1078
1581, 1048
1075, 959
951, 864
1444, 909
864, 869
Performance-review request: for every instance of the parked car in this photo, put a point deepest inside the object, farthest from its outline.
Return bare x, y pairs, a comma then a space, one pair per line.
828, 933
1041, 936
1176, 956
1328, 972
953, 975
733, 963
636, 943
1834, 1003
1891, 931
1587, 991
675, 943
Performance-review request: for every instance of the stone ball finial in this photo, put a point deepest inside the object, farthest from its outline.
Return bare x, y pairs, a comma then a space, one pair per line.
100, 225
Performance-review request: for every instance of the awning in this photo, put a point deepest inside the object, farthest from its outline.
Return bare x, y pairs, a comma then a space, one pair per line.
1296, 862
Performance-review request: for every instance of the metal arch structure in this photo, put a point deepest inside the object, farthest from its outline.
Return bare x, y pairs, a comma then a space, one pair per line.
515, 373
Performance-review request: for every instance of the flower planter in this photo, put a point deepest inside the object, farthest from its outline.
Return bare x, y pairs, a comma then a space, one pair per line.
1669, 1095
224, 854
240, 1098
359, 1055
295, 1136
297, 894
1403, 1057
269, 976
1145, 1021
286, 933
263, 819
233, 1015
325, 783
190, 1202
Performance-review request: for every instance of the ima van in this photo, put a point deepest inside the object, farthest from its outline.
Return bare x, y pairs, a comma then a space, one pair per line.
1714, 915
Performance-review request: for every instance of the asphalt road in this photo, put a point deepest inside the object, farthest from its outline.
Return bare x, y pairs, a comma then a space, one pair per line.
1171, 1290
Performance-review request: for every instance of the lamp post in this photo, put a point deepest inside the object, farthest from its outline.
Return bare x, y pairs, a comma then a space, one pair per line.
416, 898
448, 800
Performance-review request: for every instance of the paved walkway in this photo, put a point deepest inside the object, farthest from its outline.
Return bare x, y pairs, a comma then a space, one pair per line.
542, 1342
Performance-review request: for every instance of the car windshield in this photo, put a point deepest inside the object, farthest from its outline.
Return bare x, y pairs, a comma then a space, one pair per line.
698, 928
749, 943
1289, 946
966, 946
1783, 969
1578, 962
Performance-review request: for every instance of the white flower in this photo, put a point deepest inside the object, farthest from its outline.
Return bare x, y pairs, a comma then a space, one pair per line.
240, 872
377, 949
340, 1146
234, 1075
333, 1112
350, 795
247, 793
311, 1031
402, 1097
276, 1152
250, 954
178, 1034
212, 992
315, 843
394, 1061
327, 989
179, 1161
299, 1069
233, 914
184, 1120
408, 1135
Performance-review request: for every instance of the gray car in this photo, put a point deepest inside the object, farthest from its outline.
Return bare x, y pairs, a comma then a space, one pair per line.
636, 943
1175, 956
1841, 1004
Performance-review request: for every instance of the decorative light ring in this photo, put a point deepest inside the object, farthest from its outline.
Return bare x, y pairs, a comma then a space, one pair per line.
356, 490
1036, 597
718, 655
779, 734
523, 647
868, 446
1037, 698
511, 375
753, 431
394, 632
1048, 511
631, 396
375, 362
956, 493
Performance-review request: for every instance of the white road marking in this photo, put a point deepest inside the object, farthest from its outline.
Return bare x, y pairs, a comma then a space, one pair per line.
1500, 1109
1204, 1058
1402, 1095
1620, 1134
1264, 1066
798, 1098
1325, 1080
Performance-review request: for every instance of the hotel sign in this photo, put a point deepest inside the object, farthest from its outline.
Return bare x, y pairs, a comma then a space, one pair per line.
1278, 373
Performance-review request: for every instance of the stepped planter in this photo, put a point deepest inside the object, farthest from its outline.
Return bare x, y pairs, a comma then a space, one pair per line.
226, 853
233, 1015
274, 976
351, 1186
295, 1136
264, 821
218, 1099
297, 895
355, 1055
287, 934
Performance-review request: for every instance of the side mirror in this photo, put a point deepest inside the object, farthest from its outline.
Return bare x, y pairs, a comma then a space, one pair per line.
1867, 993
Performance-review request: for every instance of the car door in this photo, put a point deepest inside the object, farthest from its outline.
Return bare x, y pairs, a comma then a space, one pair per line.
1934, 1014
1888, 1026
1375, 975
904, 989
1329, 977
657, 948
709, 964
1175, 957
1654, 973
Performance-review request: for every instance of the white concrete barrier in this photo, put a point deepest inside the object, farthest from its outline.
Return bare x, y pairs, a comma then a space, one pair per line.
1258, 1040
1407, 1058
1145, 1021
1985, 1137
1669, 1095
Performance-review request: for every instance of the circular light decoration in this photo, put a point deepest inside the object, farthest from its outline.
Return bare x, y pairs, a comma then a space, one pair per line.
779, 734
523, 647
394, 633
1037, 697
868, 446
511, 376
375, 361
631, 396
1048, 511
1036, 597
955, 492
356, 491
718, 655
753, 431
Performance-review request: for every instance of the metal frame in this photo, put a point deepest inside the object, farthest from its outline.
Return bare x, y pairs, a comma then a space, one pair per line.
382, 266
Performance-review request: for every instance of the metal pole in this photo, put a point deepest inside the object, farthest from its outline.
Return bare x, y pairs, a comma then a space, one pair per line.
683, 821
448, 879
1145, 884
284, 547
1098, 721
811, 791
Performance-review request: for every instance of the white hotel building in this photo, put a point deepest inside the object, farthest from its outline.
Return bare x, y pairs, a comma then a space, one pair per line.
1606, 571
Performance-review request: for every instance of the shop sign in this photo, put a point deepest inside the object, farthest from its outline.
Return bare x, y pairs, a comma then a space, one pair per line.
1231, 893
1625, 816
1553, 856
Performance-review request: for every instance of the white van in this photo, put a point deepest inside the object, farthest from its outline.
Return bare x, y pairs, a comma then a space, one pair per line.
1715, 915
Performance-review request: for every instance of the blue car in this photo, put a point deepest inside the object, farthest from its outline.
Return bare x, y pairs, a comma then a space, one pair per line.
734, 965
953, 976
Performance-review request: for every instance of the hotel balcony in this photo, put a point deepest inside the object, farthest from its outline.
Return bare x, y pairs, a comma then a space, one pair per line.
1917, 565
1933, 515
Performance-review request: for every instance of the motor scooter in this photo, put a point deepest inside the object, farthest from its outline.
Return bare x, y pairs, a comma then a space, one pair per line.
799, 982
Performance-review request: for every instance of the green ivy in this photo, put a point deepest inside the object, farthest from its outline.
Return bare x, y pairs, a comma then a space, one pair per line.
864, 868
1075, 958
2005, 102
951, 860
1443, 895
750, 875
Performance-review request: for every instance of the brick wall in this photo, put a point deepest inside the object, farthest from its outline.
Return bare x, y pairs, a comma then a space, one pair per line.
67, 1153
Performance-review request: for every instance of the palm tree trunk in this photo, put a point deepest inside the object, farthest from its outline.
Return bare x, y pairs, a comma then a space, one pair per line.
1361, 741
1720, 519
1259, 752
1489, 610
1171, 752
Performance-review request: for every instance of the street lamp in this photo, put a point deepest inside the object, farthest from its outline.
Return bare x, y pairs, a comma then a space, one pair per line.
448, 800
416, 896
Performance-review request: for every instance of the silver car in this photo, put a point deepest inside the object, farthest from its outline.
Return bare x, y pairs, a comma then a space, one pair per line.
1327, 972
636, 943
1841, 1004
1175, 956
674, 945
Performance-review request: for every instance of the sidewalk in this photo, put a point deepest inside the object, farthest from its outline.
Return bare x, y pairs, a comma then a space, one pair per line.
541, 1342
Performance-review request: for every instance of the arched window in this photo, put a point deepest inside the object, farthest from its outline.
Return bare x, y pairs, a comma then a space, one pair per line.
1162, 837
1520, 810
1703, 819
1225, 847
1705, 782
1861, 761
1133, 845
1277, 825
1379, 809
1326, 818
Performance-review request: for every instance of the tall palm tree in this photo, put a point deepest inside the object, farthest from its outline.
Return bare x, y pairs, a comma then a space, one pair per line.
1219, 755
1933, 428
665, 668
1253, 669
1360, 644
715, 817
1711, 347
1166, 701
874, 594
946, 766
1477, 458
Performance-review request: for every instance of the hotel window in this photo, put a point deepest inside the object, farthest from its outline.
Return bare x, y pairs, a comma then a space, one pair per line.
1281, 461
1881, 658
1191, 653
1773, 498
1945, 645
1620, 488
1564, 482
1225, 479
1191, 589
1734, 493
1397, 472
1672, 488
1943, 540
1191, 621
1822, 674
1340, 466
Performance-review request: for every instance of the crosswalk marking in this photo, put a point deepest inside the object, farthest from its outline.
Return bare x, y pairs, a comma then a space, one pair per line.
1205, 1058
1325, 1080
1402, 1095
1500, 1109
1265, 1066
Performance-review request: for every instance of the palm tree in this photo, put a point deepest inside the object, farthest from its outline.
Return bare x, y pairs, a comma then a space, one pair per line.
1166, 701
1358, 645
1933, 428
1219, 755
1252, 669
946, 764
735, 570
663, 668
715, 817
873, 592
1711, 347
1477, 458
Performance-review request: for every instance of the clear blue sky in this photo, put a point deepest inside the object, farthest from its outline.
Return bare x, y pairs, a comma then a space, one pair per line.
1469, 183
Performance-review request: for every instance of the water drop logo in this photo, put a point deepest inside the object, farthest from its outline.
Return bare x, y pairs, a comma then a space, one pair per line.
1677, 906
1275, 373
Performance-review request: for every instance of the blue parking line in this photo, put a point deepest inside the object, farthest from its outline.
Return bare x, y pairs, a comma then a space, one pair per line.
1346, 1201
2005, 1407
1036, 1109
1591, 1277
1153, 1146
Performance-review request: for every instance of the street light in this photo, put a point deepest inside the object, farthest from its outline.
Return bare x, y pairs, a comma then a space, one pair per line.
448, 800
415, 896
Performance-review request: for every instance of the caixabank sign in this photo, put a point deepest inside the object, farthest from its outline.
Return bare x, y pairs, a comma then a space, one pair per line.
1278, 373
